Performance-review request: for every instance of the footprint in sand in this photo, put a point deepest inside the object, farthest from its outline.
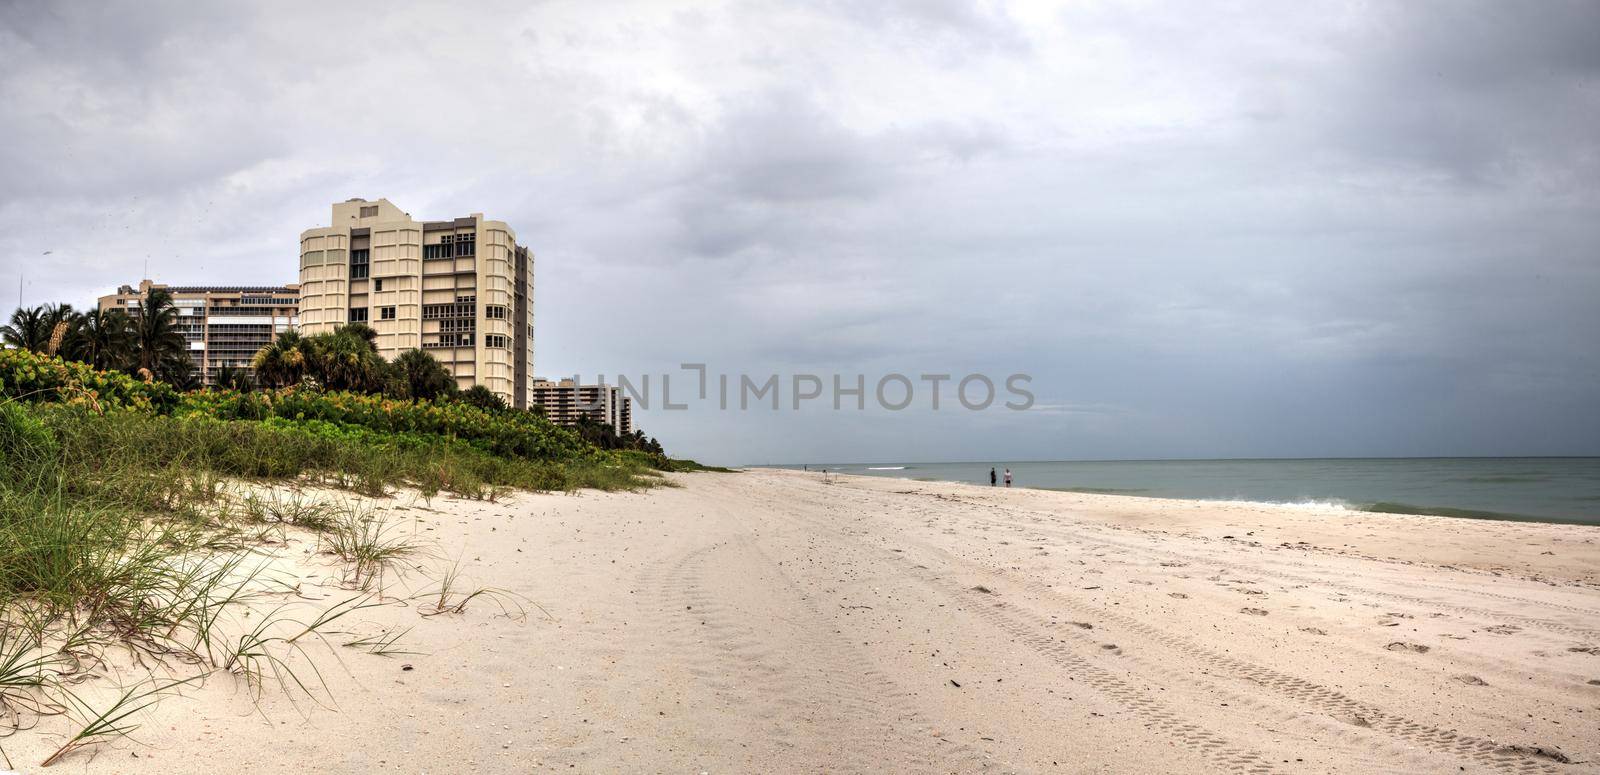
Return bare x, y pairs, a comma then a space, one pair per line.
1502, 629
1471, 680
1253, 611
1178, 595
1412, 647
1084, 625
1584, 649
1314, 630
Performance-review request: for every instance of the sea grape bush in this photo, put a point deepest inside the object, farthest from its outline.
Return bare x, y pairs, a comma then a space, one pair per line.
371, 419
508, 432
29, 376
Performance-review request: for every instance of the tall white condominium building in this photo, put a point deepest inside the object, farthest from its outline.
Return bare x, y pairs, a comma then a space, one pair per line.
460, 289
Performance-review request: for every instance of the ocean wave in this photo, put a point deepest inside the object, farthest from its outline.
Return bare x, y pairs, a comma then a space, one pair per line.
1391, 507
1309, 504
886, 468
1501, 479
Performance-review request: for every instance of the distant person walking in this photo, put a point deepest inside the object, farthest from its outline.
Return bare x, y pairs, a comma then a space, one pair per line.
991, 477
1008, 477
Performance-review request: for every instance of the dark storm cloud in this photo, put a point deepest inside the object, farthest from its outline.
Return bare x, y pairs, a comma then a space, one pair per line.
1216, 229
1482, 91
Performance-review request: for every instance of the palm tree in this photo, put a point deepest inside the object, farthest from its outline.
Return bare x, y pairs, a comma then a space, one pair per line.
155, 334
233, 378
282, 362
180, 373
360, 331
481, 397
346, 359
60, 318
37, 328
102, 338
25, 332
424, 377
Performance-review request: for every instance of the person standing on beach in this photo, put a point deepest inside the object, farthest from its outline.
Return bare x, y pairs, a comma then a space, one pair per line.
991, 476
1008, 477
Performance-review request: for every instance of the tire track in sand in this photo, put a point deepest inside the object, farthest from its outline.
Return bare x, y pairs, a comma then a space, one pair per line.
1041, 632
1063, 532
1028, 518
809, 694
1152, 712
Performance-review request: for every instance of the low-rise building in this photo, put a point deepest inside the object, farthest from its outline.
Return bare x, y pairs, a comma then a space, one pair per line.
224, 324
566, 401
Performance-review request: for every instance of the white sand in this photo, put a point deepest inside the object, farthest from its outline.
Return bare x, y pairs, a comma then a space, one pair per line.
768, 622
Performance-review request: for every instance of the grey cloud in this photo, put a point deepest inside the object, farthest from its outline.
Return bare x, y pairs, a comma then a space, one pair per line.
1216, 230
1483, 91
962, 26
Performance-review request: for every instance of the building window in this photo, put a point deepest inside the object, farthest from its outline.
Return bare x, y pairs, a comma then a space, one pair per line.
358, 271
377, 285
494, 340
369, 211
449, 340
442, 311
358, 314
386, 313
360, 255
495, 312
358, 263
436, 251
459, 244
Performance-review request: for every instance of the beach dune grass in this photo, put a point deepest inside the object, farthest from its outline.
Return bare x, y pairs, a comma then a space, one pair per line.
126, 524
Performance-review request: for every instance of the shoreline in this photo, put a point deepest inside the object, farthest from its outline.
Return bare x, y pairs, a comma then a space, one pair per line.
1194, 516
1378, 506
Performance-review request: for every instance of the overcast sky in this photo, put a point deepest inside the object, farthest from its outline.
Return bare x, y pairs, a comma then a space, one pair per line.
1205, 229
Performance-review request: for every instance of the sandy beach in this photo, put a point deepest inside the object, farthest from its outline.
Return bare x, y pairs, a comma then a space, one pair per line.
769, 621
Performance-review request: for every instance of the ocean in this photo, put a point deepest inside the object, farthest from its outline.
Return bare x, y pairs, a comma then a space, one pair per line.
1543, 489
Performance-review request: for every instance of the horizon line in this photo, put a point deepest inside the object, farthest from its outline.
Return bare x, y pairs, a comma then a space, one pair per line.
1186, 460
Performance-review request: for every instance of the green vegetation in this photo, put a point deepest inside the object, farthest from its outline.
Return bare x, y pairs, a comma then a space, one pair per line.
689, 466
134, 518
149, 347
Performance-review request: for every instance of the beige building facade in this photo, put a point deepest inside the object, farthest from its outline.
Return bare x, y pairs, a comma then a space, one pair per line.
224, 325
461, 289
566, 401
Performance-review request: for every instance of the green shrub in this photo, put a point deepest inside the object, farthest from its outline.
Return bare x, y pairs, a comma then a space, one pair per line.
29, 376
507, 432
